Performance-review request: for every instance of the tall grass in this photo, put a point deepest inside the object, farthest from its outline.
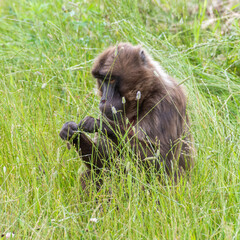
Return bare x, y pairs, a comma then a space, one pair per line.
46, 53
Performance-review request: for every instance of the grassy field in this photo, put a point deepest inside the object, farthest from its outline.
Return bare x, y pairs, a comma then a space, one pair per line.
46, 53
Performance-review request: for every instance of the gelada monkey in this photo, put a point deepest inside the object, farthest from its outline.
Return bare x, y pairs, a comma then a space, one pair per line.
140, 101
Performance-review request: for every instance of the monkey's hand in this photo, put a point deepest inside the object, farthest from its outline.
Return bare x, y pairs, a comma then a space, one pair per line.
88, 124
68, 130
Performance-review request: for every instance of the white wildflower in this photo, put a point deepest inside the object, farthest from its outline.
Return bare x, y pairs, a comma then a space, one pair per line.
93, 220
44, 85
8, 235
72, 13
38, 73
138, 96
123, 100
134, 129
95, 90
50, 36
4, 169
114, 111
128, 166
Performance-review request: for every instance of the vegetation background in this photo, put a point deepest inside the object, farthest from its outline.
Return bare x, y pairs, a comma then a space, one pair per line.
46, 52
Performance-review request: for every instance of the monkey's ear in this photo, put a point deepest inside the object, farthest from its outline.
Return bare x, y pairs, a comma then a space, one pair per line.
142, 56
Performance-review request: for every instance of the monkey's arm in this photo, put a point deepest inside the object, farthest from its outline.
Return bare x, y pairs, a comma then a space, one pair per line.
115, 133
91, 125
91, 153
145, 148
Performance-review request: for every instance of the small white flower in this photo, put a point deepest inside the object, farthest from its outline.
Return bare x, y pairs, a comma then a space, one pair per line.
128, 166
134, 129
156, 73
114, 111
38, 73
95, 90
93, 220
72, 13
50, 36
123, 100
138, 96
44, 85
4, 169
8, 235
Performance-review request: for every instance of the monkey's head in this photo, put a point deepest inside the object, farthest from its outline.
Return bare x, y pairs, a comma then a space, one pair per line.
122, 71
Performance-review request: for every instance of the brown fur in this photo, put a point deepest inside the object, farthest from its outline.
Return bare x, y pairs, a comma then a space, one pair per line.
161, 111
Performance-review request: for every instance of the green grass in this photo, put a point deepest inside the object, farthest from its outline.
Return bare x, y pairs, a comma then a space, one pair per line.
46, 52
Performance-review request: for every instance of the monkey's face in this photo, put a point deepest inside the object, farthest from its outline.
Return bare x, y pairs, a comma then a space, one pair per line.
111, 101
120, 73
